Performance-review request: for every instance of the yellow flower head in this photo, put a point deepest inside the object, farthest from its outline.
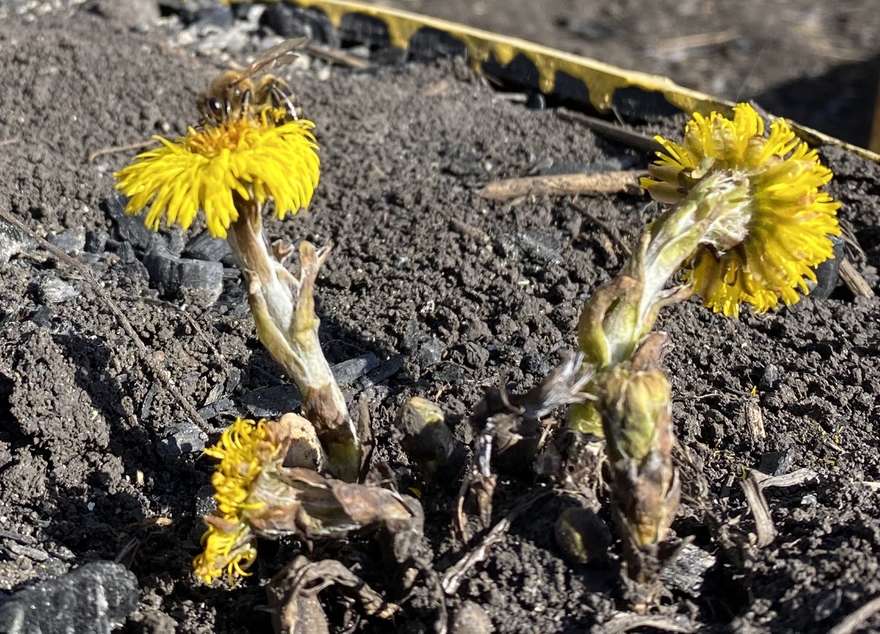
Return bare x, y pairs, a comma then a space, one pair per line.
244, 450
228, 547
791, 219
253, 157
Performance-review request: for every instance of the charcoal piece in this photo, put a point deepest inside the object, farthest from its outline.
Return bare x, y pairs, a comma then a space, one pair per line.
195, 281
96, 597
204, 247
185, 438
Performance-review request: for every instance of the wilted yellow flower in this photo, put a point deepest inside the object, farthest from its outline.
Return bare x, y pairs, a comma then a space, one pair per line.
243, 450
252, 157
228, 548
791, 219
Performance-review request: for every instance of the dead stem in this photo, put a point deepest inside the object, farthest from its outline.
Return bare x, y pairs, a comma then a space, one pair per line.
563, 185
855, 620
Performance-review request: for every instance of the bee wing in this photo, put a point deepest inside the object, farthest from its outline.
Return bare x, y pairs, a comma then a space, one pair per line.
278, 55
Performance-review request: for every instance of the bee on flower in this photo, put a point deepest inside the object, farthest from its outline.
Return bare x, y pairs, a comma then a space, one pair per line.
251, 152
250, 147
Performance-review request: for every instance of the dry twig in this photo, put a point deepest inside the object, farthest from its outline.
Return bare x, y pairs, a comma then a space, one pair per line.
563, 185
855, 620
612, 131
625, 622
118, 148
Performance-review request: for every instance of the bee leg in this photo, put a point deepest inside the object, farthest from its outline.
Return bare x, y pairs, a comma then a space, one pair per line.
246, 98
274, 91
281, 98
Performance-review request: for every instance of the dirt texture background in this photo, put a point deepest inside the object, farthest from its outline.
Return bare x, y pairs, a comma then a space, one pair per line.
815, 62
450, 292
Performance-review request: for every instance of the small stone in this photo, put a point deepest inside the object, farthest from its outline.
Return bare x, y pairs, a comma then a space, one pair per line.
42, 317
471, 619
185, 438
186, 10
218, 16
174, 243
475, 355
582, 535
536, 101
385, 371
270, 402
135, 13
350, 370
96, 240
195, 281
688, 570
778, 462
96, 597
12, 242
71, 241
55, 291
827, 273
430, 352
539, 247
426, 437
769, 377
809, 499
204, 247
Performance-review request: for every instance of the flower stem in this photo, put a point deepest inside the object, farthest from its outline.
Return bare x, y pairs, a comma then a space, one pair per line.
283, 307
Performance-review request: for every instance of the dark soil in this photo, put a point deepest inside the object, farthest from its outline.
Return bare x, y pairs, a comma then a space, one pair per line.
815, 62
461, 290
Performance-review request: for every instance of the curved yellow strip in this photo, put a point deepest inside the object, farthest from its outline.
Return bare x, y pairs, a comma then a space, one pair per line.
601, 80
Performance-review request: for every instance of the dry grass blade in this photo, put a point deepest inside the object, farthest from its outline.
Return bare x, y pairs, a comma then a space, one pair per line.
119, 148
696, 40
563, 185
612, 131
143, 352
764, 527
854, 280
855, 620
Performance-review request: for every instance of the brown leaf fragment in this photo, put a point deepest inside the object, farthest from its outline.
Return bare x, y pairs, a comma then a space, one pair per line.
755, 420
293, 595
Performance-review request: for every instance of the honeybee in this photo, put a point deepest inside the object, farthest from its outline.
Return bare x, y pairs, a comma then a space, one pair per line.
236, 93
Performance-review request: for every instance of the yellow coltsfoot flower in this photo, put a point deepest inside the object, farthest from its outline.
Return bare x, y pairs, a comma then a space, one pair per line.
228, 549
244, 450
267, 484
791, 221
251, 158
